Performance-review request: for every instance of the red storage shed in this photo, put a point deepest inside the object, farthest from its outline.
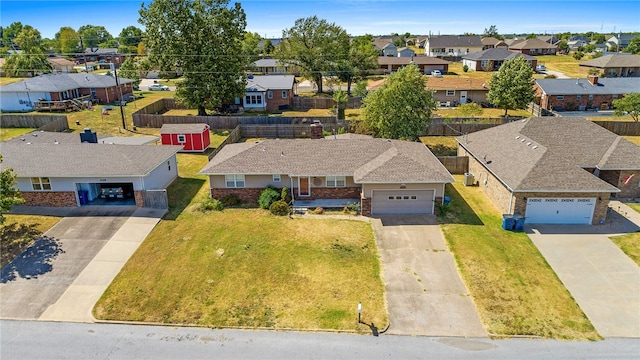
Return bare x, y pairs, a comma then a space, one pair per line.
192, 137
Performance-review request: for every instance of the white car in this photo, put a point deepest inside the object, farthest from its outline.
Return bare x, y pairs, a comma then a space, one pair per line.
541, 67
158, 87
436, 73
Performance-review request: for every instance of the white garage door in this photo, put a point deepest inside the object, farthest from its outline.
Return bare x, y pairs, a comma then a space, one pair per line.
560, 210
402, 202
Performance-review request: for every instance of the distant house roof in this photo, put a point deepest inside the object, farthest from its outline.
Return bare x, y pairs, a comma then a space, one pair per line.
613, 61
418, 60
441, 41
604, 86
382, 43
550, 154
551, 39
84, 160
100, 51
449, 83
532, 44
60, 61
489, 40
368, 160
63, 82
47, 137
496, 54
268, 63
348, 136
271, 82
183, 128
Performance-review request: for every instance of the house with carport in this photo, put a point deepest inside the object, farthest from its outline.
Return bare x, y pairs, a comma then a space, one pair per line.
383, 176
552, 170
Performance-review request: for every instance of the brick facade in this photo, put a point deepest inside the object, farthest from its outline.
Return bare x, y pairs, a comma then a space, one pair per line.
617, 178
576, 102
246, 195
50, 198
139, 197
276, 101
365, 206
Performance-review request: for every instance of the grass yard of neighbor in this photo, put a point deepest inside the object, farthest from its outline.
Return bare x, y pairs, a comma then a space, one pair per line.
441, 145
10, 133
514, 289
19, 232
246, 267
629, 244
565, 64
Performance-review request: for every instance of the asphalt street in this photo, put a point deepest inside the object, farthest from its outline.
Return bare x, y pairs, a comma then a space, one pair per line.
57, 340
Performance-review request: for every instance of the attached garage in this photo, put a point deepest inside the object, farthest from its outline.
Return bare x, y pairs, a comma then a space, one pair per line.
560, 210
402, 202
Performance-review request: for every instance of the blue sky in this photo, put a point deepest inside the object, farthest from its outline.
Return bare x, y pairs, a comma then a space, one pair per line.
357, 17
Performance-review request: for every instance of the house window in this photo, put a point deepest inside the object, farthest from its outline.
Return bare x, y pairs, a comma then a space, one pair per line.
451, 93
614, 96
450, 51
590, 96
578, 97
284, 94
253, 99
276, 178
484, 63
467, 51
182, 139
559, 97
40, 183
269, 94
234, 181
336, 181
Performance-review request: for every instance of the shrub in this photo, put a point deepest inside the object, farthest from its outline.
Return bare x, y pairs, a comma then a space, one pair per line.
550, 76
210, 204
225, 133
285, 195
230, 200
465, 68
279, 208
578, 55
267, 197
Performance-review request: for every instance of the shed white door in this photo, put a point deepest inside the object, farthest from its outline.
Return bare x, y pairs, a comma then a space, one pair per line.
402, 202
560, 210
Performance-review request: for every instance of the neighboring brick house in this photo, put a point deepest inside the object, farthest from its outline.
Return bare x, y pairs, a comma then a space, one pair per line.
491, 43
101, 56
269, 92
56, 169
616, 65
533, 47
582, 94
452, 45
24, 95
457, 90
384, 176
426, 64
553, 170
492, 59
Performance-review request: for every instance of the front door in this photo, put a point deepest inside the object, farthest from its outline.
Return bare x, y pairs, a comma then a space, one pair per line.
463, 97
303, 186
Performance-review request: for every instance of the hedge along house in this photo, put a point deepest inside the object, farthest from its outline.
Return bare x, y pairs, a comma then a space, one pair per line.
192, 137
384, 176
553, 170
72, 174
268, 92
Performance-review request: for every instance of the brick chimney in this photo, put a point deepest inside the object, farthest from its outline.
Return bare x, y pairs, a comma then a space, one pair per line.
316, 130
593, 79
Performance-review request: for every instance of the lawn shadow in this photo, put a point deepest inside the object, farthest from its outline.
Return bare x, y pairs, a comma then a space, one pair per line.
180, 194
36, 260
459, 211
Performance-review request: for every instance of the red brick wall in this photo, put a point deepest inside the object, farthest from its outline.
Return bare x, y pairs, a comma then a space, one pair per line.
365, 206
277, 100
139, 197
551, 101
49, 198
617, 178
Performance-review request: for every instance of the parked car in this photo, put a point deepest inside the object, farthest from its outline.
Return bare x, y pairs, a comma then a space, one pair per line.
158, 87
541, 68
112, 193
436, 73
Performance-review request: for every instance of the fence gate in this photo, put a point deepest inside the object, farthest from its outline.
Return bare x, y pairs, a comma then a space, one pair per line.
156, 199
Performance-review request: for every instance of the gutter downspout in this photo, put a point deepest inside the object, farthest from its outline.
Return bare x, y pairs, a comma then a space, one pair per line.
511, 202
293, 197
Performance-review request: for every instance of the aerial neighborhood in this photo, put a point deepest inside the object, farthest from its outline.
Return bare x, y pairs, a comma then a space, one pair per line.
476, 185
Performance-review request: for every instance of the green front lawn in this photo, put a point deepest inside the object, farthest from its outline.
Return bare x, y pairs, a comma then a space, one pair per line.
565, 64
514, 289
19, 231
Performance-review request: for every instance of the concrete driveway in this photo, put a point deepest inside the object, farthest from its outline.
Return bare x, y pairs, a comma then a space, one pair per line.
64, 273
425, 295
603, 280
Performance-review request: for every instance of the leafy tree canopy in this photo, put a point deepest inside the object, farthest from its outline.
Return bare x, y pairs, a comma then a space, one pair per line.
362, 58
9, 195
634, 46
512, 86
401, 108
10, 32
629, 105
250, 46
130, 36
129, 70
32, 60
92, 35
492, 31
267, 47
203, 38
67, 41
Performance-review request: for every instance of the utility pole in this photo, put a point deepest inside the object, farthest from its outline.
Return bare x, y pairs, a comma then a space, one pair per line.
115, 74
84, 56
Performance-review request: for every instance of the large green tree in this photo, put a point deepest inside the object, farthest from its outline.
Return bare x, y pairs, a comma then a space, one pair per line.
32, 60
130, 36
629, 105
203, 39
315, 46
129, 70
512, 86
362, 58
401, 108
10, 32
93, 35
250, 47
634, 46
9, 195
67, 41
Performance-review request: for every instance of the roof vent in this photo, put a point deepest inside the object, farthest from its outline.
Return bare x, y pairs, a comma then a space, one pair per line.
282, 153
528, 144
21, 139
522, 140
517, 136
535, 147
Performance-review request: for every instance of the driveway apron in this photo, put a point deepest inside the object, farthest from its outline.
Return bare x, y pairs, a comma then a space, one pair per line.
603, 280
425, 295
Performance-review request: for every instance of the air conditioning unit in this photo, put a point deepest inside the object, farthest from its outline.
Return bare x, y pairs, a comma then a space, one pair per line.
469, 180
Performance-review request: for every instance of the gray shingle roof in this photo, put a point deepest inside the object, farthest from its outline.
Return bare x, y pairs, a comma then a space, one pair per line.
532, 44
615, 60
84, 160
440, 41
418, 60
268, 63
367, 160
62, 82
496, 54
605, 86
183, 128
47, 137
549, 154
271, 82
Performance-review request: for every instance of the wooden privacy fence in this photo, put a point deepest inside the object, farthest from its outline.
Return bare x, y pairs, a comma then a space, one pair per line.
622, 128
455, 164
234, 137
455, 129
304, 103
156, 199
229, 122
55, 123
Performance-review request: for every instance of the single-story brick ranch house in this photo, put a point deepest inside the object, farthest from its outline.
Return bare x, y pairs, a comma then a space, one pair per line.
60, 88
54, 169
457, 90
553, 170
615, 65
385, 176
581, 94
426, 64
268, 92
492, 59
